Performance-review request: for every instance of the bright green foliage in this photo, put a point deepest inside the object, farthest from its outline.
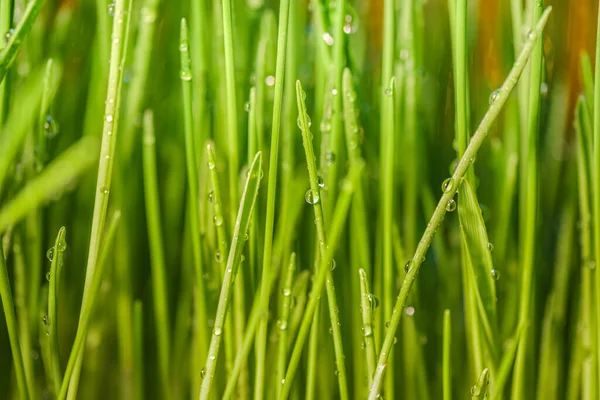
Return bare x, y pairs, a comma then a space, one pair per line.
250, 191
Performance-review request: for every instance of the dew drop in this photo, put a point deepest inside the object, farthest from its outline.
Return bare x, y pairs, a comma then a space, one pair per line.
448, 185
320, 181
332, 264
111, 9
493, 96
202, 373
328, 39
299, 121
407, 266
51, 127
247, 106
218, 220
46, 320
185, 75
410, 311
287, 292
330, 158
591, 264
325, 125
311, 197
109, 118
183, 47
388, 91
543, 88
347, 28
270, 80
373, 301
495, 274
334, 92
387, 324
218, 257
104, 190
490, 246
48, 276
211, 196
211, 165
50, 254
451, 205
217, 331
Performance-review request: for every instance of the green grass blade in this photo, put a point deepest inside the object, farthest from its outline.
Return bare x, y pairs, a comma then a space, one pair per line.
25, 390
43, 124
20, 120
261, 338
157, 256
335, 231
595, 176
9, 53
138, 330
194, 202
88, 306
55, 179
51, 322
449, 192
446, 354
587, 77
368, 303
282, 323
479, 390
235, 253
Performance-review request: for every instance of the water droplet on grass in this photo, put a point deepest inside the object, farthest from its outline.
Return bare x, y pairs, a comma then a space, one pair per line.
373, 301
270, 80
320, 181
330, 158
494, 96
51, 127
50, 254
48, 276
451, 205
490, 246
495, 274
407, 266
218, 220
217, 331
111, 9
311, 197
328, 39
299, 121
448, 185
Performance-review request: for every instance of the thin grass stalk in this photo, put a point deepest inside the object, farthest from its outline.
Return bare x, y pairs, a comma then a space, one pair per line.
235, 253
528, 203
314, 197
261, 338
6, 18
138, 353
446, 357
387, 215
313, 342
118, 54
335, 231
9, 53
232, 136
194, 202
219, 222
88, 307
25, 388
157, 256
286, 300
368, 303
51, 322
42, 124
449, 192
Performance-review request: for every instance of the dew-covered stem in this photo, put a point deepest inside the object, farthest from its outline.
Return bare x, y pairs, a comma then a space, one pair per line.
282, 323
449, 192
368, 302
233, 262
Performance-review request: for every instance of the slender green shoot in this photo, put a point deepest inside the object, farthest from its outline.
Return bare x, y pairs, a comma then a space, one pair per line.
450, 188
57, 252
88, 306
282, 323
233, 261
261, 338
368, 302
157, 256
595, 175
25, 389
446, 356
9, 53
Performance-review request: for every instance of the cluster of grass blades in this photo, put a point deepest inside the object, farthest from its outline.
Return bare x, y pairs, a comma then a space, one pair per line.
240, 199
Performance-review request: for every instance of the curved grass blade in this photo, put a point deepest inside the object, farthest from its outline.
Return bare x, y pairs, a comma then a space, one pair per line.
25, 389
233, 260
51, 322
49, 185
368, 302
286, 300
88, 306
450, 191
335, 232
506, 364
314, 198
478, 257
261, 338
20, 120
479, 390
157, 256
587, 77
43, 123
446, 360
9, 53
